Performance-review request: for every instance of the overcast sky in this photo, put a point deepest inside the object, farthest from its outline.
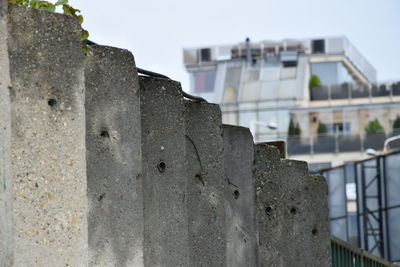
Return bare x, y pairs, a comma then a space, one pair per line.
156, 31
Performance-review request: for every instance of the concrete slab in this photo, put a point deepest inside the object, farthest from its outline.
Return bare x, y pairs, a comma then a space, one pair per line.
47, 139
291, 212
113, 141
206, 185
164, 173
238, 167
6, 234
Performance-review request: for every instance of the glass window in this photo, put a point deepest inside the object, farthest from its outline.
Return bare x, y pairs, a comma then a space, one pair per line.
205, 54
283, 121
331, 73
326, 72
230, 95
272, 62
315, 167
353, 229
318, 46
252, 75
232, 83
204, 81
232, 77
246, 117
229, 118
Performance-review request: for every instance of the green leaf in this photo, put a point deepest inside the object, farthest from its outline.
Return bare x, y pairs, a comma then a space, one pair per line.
16, 2
85, 34
33, 3
85, 49
61, 2
46, 6
80, 19
69, 10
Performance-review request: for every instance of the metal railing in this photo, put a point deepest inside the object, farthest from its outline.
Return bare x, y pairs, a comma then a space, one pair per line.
354, 91
338, 143
345, 255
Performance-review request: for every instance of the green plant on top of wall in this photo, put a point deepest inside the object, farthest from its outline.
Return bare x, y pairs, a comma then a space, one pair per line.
67, 10
374, 127
314, 81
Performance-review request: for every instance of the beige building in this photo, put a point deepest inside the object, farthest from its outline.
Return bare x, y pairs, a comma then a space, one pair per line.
318, 95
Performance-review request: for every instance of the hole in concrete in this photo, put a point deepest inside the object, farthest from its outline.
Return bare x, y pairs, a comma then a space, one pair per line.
104, 133
236, 194
244, 240
268, 210
161, 166
100, 198
293, 211
52, 102
314, 231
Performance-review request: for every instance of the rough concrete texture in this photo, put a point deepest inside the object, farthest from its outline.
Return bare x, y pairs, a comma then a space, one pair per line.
240, 212
292, 212
205, 195
47, 139
113, 158
164, 174
6, 235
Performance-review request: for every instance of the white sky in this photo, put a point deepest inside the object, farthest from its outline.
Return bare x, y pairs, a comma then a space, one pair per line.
156, 31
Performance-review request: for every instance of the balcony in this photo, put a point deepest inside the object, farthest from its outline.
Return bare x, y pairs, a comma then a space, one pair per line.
353, 91
320, 144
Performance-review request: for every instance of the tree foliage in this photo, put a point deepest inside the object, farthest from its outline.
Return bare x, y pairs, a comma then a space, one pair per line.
294, 128
396, 123
314, 81
322, 128
374, 127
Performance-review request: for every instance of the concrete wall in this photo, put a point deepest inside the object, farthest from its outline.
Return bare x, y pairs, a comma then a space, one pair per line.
240, 222
206, 186
291, 212
47, 138
113, 154
164, 174
100, 167
6, 237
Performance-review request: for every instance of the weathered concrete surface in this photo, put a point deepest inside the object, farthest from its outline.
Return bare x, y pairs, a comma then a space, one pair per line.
206, 186
48, 139
6, 235
113, 158
292, 213
238, 167
164, 174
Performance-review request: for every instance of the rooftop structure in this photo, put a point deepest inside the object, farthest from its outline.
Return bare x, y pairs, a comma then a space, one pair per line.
320, 93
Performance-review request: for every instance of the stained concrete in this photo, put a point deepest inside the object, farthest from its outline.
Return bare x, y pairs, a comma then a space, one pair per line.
241, 228
113, 141
47, 138
292, 213
6, 234
164, 187
206, 186
164, 174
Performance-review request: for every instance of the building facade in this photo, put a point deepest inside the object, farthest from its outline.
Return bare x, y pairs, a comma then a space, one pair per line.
321, 95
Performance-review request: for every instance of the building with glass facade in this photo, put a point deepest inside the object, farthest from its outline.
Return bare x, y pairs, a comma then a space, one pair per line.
322, 95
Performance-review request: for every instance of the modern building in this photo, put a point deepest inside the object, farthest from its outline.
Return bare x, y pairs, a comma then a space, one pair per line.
321, 95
